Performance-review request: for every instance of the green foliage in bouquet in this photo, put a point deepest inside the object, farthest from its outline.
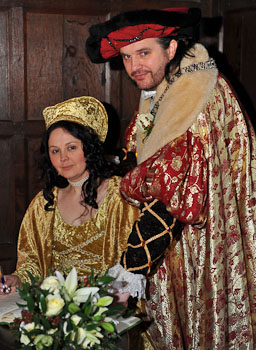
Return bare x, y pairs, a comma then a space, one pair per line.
67, 314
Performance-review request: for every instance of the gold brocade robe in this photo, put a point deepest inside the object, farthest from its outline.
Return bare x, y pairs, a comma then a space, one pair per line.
203, 296
47, 242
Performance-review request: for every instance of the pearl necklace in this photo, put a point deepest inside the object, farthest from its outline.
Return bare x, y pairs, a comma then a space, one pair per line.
78, 183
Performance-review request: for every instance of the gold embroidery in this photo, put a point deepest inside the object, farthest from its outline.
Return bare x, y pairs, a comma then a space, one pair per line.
84, 110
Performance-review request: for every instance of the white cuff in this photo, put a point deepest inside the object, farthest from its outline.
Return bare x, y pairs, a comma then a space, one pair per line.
126, 281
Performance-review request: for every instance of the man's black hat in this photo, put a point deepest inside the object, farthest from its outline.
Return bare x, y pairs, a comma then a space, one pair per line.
106, 39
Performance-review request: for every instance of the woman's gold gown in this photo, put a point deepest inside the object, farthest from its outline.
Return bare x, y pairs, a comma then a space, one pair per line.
46, 243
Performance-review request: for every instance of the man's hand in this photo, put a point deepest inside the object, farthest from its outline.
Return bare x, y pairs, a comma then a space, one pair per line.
123, 298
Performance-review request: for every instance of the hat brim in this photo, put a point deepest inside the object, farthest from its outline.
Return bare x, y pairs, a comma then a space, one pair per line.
183, 20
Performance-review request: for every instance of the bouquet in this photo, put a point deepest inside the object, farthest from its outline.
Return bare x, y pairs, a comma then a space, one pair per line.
63, 313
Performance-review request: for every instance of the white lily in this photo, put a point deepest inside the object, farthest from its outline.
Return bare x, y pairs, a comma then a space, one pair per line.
70, 287
96, 333
81, 335
71, 283
82, 294
92, 337
60, 277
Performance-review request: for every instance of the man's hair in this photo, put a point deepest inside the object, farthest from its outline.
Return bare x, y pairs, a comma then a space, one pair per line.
183, 47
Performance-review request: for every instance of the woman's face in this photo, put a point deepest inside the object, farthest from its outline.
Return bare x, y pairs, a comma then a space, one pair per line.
66, 154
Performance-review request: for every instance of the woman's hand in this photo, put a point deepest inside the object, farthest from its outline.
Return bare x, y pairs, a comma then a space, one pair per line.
12, 282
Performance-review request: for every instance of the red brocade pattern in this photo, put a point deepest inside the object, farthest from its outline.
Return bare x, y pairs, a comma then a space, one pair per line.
176, 175
111, 45
203, 296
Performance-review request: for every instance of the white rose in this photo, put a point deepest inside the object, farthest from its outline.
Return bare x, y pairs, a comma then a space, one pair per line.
75, 319
24, 339
54, 304
51, 283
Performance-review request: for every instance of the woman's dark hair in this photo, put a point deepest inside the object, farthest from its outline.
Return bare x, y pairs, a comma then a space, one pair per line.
184, 45
99, 168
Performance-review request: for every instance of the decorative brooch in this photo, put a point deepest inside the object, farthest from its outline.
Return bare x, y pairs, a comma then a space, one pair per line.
145, 123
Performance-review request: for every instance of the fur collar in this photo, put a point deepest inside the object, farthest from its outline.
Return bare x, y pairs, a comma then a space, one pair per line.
181, 105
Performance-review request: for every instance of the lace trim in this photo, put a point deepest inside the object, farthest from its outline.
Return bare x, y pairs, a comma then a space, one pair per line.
127, 281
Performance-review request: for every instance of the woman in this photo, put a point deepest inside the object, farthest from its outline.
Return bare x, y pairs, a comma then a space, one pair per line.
79, 218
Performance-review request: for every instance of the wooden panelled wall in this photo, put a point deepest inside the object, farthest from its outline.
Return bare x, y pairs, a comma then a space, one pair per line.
240, 52
43, 62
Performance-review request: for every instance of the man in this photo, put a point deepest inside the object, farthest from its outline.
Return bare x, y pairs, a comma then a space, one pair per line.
196, 154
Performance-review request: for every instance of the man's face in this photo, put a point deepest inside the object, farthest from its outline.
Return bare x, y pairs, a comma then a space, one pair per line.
145, 62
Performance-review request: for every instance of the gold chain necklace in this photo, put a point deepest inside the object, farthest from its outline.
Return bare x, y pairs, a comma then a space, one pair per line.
210, 64
170, 82
157, 104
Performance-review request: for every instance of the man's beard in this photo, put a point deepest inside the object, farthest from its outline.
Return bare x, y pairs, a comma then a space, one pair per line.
156, 80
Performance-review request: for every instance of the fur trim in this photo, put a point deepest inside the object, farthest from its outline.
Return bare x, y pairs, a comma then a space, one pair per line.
98, 31
183, 102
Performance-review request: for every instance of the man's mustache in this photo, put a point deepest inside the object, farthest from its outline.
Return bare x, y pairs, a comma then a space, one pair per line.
139, 71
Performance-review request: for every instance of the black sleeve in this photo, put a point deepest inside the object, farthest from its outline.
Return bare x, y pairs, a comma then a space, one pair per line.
151, 235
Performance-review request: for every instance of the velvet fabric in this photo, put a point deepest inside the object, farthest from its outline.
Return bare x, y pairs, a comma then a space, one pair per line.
47, 242
83, 110
151, 235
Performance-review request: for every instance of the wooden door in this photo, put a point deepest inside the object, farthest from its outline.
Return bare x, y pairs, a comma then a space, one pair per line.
240, 52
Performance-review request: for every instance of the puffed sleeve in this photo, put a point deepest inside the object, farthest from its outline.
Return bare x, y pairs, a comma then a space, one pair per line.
176, 175
151, 234
118, 223
35, 240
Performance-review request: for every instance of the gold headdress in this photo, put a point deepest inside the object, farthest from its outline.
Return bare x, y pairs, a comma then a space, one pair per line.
84, 110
